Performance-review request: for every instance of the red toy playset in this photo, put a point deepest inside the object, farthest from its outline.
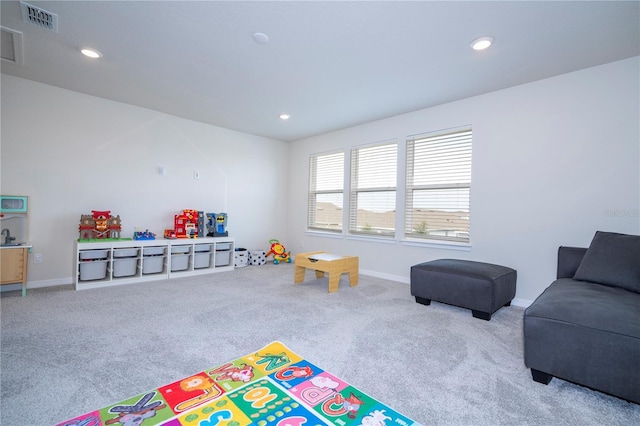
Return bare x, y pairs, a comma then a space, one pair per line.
99, 225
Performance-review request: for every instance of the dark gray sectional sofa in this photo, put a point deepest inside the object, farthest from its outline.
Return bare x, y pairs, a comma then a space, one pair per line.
585, 327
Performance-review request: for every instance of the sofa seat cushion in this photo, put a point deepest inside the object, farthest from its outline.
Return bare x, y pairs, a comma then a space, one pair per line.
586, 333
592, 305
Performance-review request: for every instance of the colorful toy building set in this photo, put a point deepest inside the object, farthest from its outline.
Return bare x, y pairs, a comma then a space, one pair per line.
194, 224
100, 225
189, 223
145, 235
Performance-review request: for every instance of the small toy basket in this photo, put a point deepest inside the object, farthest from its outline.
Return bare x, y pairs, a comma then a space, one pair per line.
240, 258
257, 257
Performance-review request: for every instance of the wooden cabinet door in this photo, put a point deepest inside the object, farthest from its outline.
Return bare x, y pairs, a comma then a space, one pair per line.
11, 265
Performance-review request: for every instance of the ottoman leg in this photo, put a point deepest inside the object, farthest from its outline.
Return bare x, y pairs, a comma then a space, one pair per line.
508, 303
541, 377
481, 315
423, 301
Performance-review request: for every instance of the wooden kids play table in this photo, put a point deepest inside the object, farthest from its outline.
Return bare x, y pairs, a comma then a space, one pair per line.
333, 264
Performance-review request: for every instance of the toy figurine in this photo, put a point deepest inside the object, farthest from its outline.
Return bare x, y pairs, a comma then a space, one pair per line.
217, 225
279, 252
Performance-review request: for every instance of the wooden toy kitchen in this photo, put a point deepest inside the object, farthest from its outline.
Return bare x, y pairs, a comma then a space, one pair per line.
14, 242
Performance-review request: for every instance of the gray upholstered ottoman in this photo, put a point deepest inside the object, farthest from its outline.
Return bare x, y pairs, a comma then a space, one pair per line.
482, 287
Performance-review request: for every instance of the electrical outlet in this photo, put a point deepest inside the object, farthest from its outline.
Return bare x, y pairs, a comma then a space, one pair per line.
37, 258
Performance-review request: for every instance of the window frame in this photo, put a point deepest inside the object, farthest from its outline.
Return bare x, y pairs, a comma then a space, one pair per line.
313, 191
465, 134
355, 190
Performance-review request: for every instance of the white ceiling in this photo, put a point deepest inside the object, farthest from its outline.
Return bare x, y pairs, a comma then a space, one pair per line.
330, 64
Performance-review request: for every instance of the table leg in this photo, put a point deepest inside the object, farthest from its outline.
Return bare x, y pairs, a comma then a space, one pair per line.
319, 274
299, 274
334, 281
353, 278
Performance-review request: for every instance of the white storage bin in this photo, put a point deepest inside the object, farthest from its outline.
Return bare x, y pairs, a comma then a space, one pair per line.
202, 260
179, 262
94, 254
125, 267
223, 258
240, 257
257, 257
93, 270
127, 252
202, 247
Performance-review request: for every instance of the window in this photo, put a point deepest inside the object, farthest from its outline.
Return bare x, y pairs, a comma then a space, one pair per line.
326, 182
438, 186
373, 190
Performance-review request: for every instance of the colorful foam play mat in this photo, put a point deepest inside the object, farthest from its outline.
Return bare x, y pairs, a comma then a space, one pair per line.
272, 386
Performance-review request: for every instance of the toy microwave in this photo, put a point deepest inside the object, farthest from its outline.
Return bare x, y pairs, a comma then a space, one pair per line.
14, 204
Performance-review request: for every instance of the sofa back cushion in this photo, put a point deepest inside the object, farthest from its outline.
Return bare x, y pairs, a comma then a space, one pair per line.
612, 259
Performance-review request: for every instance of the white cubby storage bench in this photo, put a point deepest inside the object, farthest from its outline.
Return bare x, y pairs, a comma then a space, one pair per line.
101, 264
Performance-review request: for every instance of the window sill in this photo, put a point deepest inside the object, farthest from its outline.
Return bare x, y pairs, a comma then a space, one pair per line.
323, 234
372, 239
445, 245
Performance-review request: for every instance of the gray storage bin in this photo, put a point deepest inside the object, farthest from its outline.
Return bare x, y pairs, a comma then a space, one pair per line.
202, 260
152, 264
152, 260
202, 247
125, 267
93, 270
223, 246
179, 262
94, 254
125, 252
153, 251
223, 258
180, 249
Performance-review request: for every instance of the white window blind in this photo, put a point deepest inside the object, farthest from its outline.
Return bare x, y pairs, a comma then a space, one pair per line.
438, 186
326, 183
373, 189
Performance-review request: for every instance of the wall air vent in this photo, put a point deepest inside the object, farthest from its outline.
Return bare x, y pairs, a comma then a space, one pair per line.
11, 45
40, 17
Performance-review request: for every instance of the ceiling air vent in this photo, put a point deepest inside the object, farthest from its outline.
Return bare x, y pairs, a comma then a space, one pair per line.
11, 45
40, 17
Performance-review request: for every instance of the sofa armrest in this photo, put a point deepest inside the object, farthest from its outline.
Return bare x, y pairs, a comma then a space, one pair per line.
569, 259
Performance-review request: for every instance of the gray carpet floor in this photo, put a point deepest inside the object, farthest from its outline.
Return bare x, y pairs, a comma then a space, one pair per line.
66, 352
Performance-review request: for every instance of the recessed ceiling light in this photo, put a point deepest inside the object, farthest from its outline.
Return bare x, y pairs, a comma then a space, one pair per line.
481, 43
285, 116
260, 38
91, 53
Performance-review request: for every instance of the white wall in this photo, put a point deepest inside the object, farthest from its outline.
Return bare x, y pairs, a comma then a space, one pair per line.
553, 161
73, 153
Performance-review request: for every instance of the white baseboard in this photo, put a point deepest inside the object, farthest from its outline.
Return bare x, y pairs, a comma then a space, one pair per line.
38, 284
524, 303
390, 277
49, 283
